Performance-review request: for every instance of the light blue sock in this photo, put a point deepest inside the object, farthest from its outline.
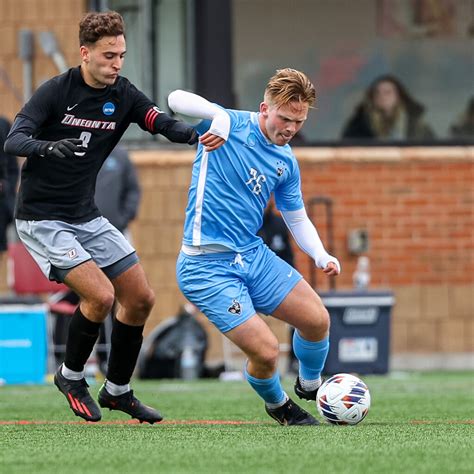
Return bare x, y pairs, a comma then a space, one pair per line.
269, 389
312, 356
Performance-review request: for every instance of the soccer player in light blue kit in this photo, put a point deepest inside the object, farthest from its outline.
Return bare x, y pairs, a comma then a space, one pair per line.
224, 268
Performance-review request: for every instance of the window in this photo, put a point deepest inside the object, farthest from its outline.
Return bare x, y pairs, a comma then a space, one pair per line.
344, 45
157, 51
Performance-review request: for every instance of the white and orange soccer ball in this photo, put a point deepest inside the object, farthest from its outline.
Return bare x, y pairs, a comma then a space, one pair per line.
343, 399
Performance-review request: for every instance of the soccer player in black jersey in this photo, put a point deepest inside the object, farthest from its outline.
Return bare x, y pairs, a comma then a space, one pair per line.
66, 131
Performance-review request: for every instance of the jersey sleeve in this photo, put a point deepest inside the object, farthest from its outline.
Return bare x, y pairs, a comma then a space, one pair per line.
144, 111
203, 126
151, 119
38, 111
42, 104
288, 196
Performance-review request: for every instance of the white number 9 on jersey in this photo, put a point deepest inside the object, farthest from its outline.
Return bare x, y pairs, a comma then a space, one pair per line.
85, 137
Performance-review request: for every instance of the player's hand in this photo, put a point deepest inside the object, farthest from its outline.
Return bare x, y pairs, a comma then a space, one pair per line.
65, 148
211, 142
331, 269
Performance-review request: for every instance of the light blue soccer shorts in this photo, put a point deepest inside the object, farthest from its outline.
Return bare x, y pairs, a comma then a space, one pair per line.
58, 246
229, 288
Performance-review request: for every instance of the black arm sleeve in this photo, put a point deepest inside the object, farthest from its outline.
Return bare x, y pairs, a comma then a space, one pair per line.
29, 120
174, 130
150, 118
19, 141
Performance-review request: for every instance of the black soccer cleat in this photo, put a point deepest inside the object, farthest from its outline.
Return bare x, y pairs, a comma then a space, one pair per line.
309, 395
76, 393
130, 405
290, 414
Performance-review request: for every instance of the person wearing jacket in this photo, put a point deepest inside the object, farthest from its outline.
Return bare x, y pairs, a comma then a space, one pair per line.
9, 172
388, 112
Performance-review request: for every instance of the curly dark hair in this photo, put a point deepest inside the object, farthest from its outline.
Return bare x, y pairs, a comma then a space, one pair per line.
95, 25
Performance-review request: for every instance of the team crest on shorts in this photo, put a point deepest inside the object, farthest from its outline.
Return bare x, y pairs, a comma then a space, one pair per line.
235, 308
72, 254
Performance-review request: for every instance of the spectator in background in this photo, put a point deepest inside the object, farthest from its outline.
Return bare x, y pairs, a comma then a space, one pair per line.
388, 112
8, 182
464, 126
117, 192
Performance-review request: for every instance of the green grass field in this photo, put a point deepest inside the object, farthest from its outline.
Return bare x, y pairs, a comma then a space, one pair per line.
418, 423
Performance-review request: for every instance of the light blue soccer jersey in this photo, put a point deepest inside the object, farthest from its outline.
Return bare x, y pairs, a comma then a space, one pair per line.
231, 186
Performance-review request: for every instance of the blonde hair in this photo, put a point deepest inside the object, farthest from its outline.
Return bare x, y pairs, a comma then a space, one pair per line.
289, 85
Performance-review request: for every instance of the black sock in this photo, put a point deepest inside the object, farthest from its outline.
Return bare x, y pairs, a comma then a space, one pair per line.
81, 338
126, 342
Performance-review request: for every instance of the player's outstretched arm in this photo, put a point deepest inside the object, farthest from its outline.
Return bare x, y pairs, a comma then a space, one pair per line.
307, 238
174, 130
20, 143
193, 108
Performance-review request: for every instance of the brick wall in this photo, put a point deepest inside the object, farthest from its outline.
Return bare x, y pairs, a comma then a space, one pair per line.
416, 204
59, 16
418, 208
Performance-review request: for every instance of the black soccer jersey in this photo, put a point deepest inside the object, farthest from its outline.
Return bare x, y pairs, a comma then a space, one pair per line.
66, 107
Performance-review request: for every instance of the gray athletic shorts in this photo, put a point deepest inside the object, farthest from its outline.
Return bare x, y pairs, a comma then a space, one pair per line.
58, 247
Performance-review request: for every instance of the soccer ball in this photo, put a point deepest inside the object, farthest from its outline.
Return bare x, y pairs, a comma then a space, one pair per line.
343, 399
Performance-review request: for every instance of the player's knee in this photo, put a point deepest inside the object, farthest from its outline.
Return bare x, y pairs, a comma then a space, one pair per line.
143, 303
268, 356
316, 327
320, 324
323, 321
148, 301
101, 303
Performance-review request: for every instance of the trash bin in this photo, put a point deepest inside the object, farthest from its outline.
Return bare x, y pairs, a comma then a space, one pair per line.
23, 343
360, 331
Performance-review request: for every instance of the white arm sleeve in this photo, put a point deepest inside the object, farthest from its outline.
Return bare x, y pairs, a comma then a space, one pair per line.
192, 106
307, 237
